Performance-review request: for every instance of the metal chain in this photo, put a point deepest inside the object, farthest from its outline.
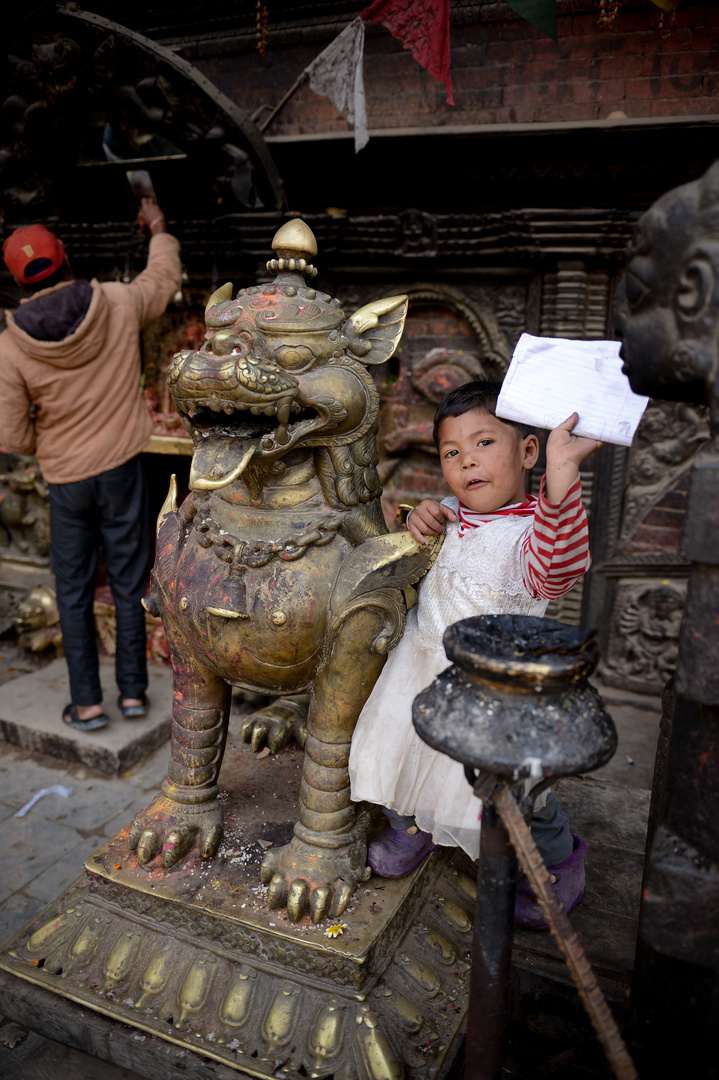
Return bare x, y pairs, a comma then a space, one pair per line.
241, 554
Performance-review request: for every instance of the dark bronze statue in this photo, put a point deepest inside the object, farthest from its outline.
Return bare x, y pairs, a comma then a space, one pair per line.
277, 573
668, 303
668, 318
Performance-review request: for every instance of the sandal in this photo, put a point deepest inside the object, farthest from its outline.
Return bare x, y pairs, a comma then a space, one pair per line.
71, 719
133, 712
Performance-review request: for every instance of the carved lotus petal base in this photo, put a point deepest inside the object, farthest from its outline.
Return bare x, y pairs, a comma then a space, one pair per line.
195, 957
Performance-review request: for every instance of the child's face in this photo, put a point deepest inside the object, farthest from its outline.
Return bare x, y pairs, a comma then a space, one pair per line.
484, 461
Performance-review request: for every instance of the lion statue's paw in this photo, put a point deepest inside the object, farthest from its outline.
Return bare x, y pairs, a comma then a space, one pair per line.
276, 723
314, 880
169, 829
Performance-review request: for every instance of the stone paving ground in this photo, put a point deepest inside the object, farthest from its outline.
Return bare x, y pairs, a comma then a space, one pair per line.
43, 852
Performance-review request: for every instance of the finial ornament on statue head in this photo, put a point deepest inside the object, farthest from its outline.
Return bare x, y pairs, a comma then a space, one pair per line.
294, 243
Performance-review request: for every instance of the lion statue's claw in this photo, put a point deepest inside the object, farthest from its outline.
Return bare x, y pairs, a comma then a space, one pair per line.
275, 724
318, 881
169, 829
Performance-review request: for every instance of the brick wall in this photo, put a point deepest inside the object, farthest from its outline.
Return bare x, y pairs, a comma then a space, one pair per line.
504, 71
661, 530
431, 328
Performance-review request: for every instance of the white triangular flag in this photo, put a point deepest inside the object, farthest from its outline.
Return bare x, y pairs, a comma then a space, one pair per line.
337, 74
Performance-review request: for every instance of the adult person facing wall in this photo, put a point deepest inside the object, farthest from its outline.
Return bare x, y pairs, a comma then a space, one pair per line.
70, 379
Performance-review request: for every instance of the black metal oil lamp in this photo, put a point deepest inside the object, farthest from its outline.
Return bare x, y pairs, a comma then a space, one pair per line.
516, 702
517, 710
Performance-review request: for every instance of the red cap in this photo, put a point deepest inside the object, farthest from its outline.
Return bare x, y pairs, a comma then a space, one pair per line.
27, 244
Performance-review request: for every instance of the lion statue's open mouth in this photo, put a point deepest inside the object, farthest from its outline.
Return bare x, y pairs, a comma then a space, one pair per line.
246, 407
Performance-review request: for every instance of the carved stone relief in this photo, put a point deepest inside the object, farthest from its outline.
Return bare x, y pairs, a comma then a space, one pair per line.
643, 637
665, 445
417, 233
640, 507
24, 511
575, 304
641, 626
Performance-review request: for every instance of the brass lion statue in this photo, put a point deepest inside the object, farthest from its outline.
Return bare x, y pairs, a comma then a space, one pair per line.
277, 573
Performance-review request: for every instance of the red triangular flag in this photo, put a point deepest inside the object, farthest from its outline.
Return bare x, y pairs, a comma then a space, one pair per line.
423, 27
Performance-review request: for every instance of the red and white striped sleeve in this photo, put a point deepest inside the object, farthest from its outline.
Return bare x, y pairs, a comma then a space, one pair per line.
555, 551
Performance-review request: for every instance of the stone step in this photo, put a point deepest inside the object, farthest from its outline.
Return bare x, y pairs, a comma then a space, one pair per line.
31, 717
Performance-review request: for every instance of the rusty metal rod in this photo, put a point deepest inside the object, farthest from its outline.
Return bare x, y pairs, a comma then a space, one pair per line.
564, 935
491, 950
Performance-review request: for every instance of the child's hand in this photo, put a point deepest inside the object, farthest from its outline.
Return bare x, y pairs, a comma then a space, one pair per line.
427, 519
565, 453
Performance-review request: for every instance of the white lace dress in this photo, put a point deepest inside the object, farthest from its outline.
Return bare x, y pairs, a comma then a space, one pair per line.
479, 574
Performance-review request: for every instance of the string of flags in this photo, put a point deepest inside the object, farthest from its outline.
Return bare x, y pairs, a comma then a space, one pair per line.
337, 74
543, 13
423, 28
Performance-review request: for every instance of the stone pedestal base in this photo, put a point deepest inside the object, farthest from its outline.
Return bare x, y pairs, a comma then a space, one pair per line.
193, 957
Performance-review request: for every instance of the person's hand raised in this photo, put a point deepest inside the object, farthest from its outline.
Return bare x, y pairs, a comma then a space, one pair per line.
151, 217
565, 453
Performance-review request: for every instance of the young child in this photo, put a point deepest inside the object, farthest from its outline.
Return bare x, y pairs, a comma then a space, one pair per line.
504, 552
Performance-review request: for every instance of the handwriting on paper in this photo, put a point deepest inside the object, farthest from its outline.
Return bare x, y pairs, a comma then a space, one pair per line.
550, 378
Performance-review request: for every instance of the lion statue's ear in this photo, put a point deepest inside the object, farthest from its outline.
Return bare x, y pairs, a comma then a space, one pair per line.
374, 331
220, 295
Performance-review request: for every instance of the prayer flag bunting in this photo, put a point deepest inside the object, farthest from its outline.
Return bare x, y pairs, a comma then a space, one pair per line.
540, 13
423, 28
337, 74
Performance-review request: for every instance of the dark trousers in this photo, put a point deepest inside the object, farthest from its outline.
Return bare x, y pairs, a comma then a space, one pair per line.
111, 508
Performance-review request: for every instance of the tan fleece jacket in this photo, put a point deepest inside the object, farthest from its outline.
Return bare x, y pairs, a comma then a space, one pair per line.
90, 415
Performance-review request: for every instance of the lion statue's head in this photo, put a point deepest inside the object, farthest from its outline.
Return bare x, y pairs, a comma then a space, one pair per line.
281, 368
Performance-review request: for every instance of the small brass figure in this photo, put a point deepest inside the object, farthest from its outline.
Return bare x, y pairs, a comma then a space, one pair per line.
37, 621
277, 573
24, 513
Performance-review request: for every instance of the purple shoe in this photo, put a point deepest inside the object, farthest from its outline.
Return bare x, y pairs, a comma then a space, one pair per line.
569, 884
397, 852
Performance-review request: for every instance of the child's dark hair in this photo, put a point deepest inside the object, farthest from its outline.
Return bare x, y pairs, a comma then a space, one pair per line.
482, 394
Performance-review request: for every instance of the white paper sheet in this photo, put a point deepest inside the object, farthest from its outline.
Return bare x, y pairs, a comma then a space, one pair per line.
550, 378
